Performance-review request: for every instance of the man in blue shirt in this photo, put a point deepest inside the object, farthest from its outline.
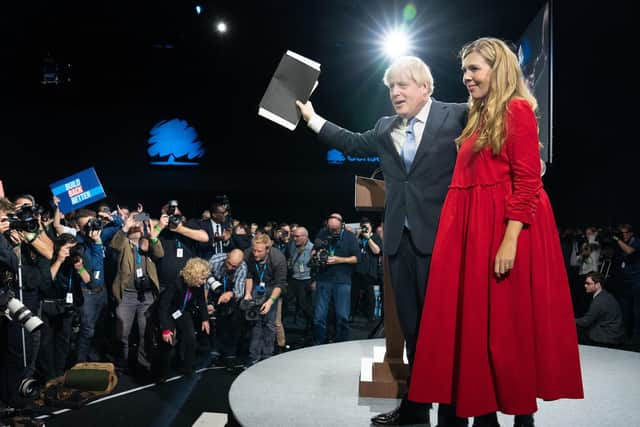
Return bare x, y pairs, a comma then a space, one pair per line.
334, 279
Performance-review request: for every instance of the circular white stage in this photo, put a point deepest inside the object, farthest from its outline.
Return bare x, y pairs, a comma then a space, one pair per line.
318, 386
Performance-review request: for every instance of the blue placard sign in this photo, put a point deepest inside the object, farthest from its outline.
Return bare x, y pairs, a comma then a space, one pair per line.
78, 190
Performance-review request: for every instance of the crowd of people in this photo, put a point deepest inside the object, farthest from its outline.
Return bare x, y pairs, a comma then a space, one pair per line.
112, 284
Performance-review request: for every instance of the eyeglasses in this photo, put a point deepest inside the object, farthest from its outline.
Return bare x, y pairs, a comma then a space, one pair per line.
589, 283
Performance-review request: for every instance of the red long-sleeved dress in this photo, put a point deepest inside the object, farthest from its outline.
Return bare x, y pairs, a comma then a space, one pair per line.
489, 344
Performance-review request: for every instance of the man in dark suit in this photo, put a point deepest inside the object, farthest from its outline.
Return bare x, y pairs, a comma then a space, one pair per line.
417, 154
602, 323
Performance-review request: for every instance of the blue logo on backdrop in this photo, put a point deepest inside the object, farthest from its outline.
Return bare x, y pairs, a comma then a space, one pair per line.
335, 157
174, 143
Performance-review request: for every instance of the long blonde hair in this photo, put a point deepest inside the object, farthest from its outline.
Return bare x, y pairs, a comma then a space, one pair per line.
506, 82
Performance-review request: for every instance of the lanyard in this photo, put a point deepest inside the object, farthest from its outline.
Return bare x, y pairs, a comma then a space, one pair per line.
261, 273
70, 280
187, 297
332, 249
224, 283
178, 243
136, 251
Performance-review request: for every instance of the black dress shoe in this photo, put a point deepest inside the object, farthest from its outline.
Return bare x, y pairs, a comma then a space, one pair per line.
523, 421
488, 420
397, 417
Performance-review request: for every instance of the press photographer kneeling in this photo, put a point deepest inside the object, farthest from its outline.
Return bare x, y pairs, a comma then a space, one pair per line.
266, 279
224, 289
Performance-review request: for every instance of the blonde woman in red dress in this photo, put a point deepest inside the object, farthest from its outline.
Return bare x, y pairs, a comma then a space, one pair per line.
497, 328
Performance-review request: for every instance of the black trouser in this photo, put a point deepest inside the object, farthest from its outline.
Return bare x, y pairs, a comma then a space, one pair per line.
55, 344
300, 291
228, 330
409, 271
364, 283
186, 346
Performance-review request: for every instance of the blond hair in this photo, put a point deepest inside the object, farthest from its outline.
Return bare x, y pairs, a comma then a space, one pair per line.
194, 269
263, 239
411, 66
488, 115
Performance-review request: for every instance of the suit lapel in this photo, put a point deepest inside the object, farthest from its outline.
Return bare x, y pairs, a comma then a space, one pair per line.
437, 116
389, 126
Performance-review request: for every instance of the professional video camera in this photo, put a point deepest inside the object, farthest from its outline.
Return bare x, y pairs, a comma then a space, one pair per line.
17, 311
251, 307
24, 219
319, 256
216, 289
174, 218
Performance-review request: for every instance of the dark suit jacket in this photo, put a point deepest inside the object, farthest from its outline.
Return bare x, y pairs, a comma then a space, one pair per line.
604, 319
418, 194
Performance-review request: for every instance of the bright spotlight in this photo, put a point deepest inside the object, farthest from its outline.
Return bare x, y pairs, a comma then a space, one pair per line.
221, 27
396, 43
198, 9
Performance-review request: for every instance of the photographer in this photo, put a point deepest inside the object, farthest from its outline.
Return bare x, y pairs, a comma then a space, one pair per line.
60, 297
10, 366
283, 239
181, 304
366, 272
229, 274
629, 246
266, 279
301, 287
179, 240
32, 248
89, 237
136, 284
334, 279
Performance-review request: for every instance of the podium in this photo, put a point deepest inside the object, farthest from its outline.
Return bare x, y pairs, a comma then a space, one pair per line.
385, 373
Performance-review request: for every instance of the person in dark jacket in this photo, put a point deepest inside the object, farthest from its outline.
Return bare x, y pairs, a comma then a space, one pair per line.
180, 304
602, 324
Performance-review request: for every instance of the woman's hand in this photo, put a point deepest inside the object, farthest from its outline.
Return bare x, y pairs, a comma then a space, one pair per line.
505, 257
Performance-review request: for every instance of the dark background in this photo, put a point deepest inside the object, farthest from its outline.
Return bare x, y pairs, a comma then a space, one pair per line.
122, 86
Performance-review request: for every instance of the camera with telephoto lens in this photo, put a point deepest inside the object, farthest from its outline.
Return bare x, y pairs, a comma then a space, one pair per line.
216, 289
251, 307
174, 218
18, 311
24, 219
364, 228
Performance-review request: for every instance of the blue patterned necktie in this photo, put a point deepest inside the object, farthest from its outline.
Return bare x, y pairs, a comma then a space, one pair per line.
409, 147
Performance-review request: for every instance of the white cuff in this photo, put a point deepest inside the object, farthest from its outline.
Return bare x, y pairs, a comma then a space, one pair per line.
315, 123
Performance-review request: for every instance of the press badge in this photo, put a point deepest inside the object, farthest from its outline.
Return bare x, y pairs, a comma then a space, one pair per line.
301, 268
96, 274
177, 314
179, 252
69, 299
139, 272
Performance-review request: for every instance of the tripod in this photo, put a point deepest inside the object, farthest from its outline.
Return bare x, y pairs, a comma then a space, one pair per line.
27, 385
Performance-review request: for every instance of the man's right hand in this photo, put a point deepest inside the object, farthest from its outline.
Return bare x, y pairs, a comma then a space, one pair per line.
306, 110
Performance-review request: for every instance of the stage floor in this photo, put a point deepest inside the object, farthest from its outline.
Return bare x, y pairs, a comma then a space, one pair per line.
318, 386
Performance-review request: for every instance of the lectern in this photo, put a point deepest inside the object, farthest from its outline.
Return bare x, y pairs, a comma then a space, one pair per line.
385, 373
